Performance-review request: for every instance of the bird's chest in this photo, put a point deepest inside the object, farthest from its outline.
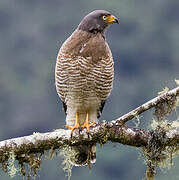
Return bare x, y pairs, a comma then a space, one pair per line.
81, 81
85, 69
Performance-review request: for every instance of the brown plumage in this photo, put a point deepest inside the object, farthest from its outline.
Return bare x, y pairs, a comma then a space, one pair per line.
84, 71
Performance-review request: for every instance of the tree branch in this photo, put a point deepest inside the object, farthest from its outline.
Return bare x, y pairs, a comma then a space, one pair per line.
115, 131
148, 105
101, 133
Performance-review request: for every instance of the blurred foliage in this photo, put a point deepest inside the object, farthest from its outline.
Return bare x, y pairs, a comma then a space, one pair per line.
145, 47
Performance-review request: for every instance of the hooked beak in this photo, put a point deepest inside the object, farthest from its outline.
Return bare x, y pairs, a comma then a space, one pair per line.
112, 19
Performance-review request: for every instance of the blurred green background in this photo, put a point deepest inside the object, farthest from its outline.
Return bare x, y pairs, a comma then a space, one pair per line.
145, 48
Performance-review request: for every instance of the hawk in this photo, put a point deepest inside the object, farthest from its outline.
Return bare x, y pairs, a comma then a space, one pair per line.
84, 71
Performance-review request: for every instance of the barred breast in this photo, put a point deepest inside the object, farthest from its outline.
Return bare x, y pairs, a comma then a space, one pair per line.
83, 81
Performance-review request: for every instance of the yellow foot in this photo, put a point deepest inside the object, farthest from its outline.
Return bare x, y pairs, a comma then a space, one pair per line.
87, 125
76, 126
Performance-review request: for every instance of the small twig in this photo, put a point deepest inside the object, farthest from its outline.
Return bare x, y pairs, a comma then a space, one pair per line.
148, 105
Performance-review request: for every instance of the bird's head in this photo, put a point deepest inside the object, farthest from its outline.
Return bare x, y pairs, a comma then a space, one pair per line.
97, 21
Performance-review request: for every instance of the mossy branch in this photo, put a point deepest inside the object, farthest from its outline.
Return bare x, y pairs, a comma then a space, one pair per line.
22, 148
165, 96
101, 133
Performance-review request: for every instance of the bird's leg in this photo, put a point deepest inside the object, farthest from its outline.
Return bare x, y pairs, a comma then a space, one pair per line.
87, 125
76, 126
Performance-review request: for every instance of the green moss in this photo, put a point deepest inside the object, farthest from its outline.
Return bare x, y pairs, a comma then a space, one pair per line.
68, 155
51, 153
166, 107
137, 121
12, 170
157, 153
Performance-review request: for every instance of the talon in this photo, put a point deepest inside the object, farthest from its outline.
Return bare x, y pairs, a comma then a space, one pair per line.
76, 126
87, 125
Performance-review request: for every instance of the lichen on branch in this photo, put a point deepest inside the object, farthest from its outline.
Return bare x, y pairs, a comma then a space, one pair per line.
28, 150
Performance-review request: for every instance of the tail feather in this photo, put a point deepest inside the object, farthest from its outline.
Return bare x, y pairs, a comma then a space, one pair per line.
84, 155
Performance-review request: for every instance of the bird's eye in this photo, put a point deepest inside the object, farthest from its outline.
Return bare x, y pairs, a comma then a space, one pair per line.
104, 17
